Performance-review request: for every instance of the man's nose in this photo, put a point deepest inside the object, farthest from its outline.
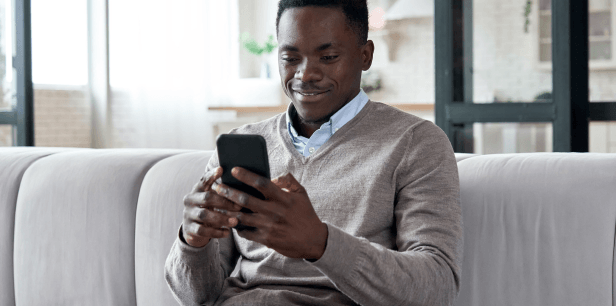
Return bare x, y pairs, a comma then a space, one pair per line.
308, 71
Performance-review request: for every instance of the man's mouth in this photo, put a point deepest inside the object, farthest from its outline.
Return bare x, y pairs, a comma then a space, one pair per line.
309, 94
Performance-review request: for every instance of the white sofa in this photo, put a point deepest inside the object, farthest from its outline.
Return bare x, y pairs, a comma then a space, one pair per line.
93, 227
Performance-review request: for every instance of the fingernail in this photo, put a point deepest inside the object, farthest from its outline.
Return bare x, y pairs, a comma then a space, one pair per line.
235, 170
242, 198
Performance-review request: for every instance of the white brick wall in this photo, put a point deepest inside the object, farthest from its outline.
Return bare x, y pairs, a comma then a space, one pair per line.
123, 131
404, 59
62, 117
6, 138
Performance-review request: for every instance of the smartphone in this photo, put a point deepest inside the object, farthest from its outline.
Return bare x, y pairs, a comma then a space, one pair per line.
246, 151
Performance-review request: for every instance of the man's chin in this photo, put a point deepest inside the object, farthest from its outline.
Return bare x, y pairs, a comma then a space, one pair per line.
309, 117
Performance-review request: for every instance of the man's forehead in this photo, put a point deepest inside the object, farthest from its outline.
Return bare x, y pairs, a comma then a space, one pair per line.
320, 27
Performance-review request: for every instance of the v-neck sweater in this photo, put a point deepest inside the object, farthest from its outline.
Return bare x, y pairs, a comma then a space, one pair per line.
386, 185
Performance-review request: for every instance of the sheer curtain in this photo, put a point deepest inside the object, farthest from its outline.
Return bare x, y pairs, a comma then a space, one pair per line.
168, 60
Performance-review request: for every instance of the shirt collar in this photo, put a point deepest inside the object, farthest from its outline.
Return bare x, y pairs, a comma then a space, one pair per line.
336, 121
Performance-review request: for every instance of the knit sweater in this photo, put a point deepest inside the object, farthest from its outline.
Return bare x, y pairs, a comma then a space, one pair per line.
386, 184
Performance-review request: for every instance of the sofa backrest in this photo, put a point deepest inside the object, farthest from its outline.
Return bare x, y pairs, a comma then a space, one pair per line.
538, 228
159, 215
13, 163
75, 227
94, 227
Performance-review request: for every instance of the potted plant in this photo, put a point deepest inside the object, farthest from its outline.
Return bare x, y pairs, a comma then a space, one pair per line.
260, 50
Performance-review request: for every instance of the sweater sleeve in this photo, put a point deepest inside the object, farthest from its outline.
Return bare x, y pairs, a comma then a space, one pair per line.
196, 275
424, 270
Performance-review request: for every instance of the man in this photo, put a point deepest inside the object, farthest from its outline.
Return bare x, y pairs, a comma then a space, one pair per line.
364, 209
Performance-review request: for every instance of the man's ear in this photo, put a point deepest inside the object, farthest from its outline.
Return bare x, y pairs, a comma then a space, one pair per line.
367, 53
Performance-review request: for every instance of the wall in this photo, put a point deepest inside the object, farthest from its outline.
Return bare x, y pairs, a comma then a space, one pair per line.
61, 118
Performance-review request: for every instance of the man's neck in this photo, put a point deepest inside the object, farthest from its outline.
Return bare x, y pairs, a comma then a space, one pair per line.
306, 128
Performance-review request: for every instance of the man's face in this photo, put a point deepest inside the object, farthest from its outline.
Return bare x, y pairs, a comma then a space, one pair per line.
320, 61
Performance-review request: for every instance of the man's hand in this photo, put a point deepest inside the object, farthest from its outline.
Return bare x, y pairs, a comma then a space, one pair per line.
285, 221
205, 212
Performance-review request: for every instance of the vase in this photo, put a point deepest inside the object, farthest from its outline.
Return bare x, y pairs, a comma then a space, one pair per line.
265, 69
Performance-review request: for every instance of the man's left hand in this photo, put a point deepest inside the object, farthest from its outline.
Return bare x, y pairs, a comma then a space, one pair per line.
285, 221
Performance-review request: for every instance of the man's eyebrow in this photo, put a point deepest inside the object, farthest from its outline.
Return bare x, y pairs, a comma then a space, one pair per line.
289, 48
324, 46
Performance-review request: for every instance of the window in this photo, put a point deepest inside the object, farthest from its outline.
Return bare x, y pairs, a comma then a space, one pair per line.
601, 29
581, 29
7, 90
59, 42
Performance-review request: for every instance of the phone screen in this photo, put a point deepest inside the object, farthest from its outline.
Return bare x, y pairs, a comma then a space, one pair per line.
246, 151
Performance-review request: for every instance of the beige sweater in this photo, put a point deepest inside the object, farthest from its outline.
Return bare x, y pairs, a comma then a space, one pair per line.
386, 185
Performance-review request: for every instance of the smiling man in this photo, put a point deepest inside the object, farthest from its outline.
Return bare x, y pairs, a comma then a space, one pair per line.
364, 208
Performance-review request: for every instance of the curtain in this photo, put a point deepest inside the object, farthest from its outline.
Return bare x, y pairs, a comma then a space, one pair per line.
168, 61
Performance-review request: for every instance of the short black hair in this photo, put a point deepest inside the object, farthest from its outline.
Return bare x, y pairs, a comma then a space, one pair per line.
356, 12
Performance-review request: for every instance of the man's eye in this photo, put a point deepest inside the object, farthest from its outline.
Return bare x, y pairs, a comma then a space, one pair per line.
289, 59
329, 57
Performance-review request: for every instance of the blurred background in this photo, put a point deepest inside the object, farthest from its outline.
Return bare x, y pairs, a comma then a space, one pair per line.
175, 74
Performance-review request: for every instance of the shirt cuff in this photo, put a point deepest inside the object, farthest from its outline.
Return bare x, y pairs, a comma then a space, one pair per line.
342, 252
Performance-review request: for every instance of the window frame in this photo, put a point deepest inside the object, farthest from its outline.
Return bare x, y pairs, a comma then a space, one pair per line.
594, 65
570, 124
21, 117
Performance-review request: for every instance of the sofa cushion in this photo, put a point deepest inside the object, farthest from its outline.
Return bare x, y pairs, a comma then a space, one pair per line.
75, 227
159, 215
462, 156
13, 163
538, 229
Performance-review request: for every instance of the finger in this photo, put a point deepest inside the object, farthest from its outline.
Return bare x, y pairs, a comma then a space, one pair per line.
262, 184
253, 220
210, 199
240, 198
210, 218
289, 183
196, 231
208, 179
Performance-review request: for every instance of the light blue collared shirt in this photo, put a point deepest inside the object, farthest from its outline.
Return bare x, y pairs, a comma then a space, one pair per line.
307, 146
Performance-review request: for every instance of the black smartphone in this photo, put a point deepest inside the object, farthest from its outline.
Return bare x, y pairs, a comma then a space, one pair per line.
246, 151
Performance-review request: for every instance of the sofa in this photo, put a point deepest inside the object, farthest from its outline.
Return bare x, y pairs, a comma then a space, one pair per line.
94, 226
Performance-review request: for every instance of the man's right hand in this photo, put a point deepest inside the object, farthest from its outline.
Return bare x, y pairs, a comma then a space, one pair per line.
204, 210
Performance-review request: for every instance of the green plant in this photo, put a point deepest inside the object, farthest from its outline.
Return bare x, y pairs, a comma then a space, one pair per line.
527, 10
255, 48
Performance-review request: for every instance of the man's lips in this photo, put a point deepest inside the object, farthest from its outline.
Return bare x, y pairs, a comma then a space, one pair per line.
310, 93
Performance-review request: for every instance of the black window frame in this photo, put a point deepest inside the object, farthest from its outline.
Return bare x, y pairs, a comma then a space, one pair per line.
570, 110
21, 117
